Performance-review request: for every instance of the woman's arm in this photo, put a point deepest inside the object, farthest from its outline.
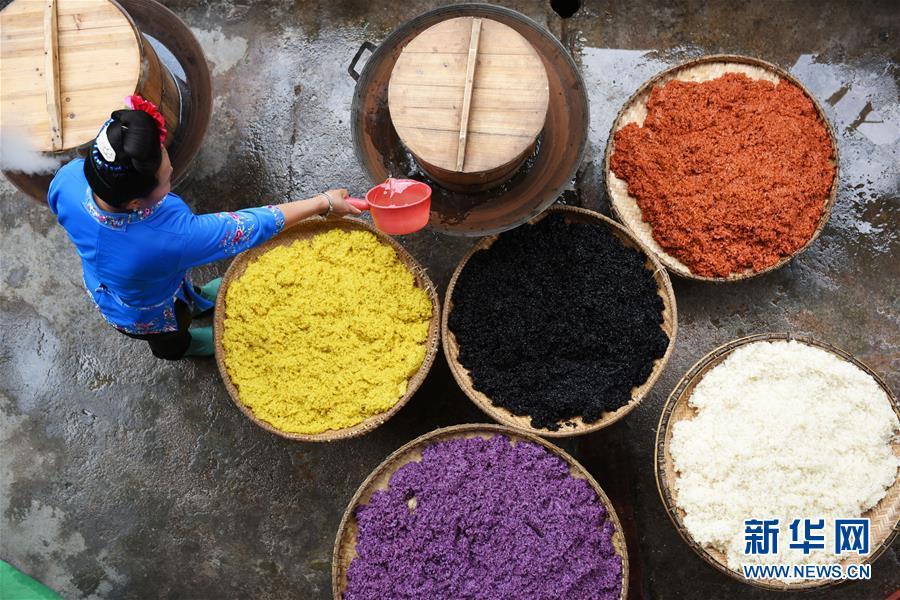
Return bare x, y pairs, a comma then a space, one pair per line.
299, 210
212, 237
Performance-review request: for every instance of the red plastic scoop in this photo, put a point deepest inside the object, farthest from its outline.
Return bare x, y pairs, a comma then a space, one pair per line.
398, 206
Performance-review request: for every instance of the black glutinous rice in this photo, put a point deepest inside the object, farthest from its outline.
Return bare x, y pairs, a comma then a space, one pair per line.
558, 320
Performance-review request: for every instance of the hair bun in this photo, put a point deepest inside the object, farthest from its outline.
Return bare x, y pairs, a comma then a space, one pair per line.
135, 137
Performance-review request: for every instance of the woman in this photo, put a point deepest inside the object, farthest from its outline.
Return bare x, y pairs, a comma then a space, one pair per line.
138, 241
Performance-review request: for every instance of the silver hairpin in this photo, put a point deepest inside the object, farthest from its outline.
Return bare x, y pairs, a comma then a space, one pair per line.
106, 149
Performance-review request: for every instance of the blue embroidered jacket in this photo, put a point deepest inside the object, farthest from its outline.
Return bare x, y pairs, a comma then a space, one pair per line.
137, 264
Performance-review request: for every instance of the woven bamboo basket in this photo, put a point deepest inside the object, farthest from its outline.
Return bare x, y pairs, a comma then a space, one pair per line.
577, 426
885, 516
345, 542
303, 231
625, 206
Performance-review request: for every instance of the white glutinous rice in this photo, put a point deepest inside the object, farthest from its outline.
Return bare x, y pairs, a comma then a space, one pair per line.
783, 430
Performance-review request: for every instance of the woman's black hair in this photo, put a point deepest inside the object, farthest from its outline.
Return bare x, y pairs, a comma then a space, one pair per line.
134, 138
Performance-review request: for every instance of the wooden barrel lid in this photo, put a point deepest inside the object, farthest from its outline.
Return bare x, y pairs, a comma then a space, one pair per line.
468, 95
97, 62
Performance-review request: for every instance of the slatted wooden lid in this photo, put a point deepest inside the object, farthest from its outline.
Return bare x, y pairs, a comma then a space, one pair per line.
468, 95
99, 63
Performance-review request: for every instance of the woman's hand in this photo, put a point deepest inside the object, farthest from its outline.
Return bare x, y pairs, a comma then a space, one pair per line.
339, 203
298, 210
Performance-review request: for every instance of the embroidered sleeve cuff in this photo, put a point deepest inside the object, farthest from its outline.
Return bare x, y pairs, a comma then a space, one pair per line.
279, 218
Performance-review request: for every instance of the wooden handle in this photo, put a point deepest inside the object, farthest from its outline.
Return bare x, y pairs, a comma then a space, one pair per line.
51, 73
467, 94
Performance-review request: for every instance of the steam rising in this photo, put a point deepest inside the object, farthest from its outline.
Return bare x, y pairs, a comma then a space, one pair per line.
18, 154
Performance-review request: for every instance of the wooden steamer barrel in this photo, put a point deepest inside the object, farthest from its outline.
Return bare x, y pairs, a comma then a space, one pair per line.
547, 171
468, 98
68, 64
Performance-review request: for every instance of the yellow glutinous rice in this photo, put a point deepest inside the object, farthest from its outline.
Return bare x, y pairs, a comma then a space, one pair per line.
323, 333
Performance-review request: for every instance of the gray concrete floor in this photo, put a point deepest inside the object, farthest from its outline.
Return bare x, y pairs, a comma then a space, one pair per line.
124, 477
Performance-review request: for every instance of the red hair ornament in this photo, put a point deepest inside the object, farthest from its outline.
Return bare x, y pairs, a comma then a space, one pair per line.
135, 102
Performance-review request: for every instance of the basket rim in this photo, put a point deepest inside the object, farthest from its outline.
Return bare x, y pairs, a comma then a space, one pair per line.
666, 74
320, 225
471, 430
662, 457
501, 414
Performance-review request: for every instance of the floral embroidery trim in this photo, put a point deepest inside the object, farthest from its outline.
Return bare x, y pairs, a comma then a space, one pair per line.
159, 323
118, 221
167, 322
234, 241
279, 217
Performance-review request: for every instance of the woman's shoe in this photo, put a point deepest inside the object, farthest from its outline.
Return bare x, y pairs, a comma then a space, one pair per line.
201, 342
211, 289
209, 292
